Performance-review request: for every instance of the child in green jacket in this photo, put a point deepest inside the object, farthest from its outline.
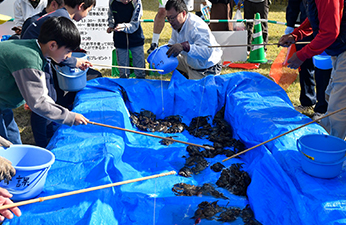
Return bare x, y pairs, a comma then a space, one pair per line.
22, 78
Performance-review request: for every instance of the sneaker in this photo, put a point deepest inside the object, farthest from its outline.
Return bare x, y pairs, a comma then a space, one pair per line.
153, 46
317, 116
301, 108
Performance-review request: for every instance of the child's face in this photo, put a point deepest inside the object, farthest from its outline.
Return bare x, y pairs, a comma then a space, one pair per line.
60, 54
125, 1
81, 13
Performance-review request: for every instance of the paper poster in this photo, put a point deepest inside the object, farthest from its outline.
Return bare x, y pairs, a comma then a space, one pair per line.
95, 40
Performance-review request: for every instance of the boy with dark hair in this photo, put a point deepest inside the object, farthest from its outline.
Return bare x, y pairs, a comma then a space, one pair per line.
76, 10
73, 9
22, 77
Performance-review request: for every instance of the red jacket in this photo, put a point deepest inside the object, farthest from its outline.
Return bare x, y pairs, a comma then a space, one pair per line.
329, 15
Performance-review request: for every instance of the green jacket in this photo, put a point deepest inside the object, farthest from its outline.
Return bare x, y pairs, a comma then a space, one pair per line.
22, 78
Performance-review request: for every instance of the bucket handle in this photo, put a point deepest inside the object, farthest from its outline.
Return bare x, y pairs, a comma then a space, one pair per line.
34, 182
299, 148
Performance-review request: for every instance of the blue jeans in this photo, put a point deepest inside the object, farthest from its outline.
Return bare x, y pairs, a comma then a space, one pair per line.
8, 127
137, 60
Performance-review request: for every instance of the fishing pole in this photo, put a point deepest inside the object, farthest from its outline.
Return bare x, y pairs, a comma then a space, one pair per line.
151, 135
232, 21
314, 121
225, 46
41, 199
128, 67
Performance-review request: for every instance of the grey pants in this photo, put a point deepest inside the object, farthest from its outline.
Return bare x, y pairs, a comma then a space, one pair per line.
250, 9
197, 74
137, 60
336, 98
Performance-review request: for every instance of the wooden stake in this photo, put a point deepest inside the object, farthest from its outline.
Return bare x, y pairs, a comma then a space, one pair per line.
128, 67
225, 46
325, 116
151, 135
83, 190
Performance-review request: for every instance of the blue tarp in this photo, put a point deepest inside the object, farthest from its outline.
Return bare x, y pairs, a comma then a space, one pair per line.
257, 109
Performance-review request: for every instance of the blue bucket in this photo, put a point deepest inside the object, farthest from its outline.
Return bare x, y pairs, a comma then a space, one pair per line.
32, 164
321, 170
322, 148
159, 60
5, 37
72, 79
322, 61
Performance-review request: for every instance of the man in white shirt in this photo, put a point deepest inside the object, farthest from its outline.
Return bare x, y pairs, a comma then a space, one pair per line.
189, 42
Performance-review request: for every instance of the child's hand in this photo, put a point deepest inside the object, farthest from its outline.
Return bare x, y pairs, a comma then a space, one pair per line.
110, 30
80, 119
119, 27
83, 64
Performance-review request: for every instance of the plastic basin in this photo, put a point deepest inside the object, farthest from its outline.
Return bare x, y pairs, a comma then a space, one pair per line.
32, 165
321, 170
322, 148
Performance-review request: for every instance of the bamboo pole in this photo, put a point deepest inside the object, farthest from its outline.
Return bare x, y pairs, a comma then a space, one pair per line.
231, 21
151, 135
224, 46
127, 67
41, 199
325, 116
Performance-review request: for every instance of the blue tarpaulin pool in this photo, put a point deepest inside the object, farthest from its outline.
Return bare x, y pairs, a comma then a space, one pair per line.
257, 109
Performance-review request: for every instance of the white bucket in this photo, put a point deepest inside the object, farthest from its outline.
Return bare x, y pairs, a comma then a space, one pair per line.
32, 164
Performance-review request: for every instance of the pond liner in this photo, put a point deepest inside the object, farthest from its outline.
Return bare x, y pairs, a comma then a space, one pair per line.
257, 109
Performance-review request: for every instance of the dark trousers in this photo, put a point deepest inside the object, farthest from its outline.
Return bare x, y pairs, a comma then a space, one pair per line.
42, 128
307, 83
250, 9
322, 78
308, 96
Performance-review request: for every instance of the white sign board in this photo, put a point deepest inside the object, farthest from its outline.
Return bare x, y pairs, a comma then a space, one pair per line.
6, 8
232, 38
95, 40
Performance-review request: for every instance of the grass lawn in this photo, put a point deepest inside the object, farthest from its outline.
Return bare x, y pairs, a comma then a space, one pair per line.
276, 13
